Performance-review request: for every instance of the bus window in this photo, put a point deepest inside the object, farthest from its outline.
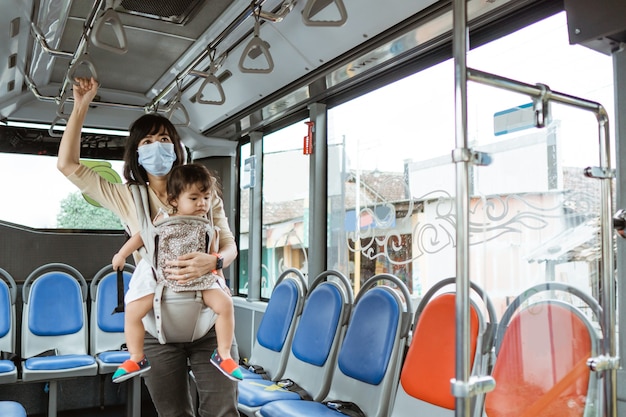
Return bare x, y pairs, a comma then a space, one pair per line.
285, 204
534, 216
39, 196
285, 191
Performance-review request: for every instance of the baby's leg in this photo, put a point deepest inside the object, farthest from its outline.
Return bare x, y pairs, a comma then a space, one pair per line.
222, 304
133, 326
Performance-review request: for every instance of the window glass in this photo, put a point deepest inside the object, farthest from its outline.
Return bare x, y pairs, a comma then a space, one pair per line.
533, 214
37, 195
285, 204
244, 219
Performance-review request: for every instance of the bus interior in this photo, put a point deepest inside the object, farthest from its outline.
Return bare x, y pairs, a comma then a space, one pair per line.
430, 147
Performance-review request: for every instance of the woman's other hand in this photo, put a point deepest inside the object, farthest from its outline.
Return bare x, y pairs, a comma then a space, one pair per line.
84, 91
190, 266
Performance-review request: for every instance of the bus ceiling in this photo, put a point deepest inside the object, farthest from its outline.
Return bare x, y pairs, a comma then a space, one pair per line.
149, 55
203, 63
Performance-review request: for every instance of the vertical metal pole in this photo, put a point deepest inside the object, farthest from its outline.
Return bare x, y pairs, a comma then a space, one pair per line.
619, 87
318, 197
256, 222
461, 157
607, 297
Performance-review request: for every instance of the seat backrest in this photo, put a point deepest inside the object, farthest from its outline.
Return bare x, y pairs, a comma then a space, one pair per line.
540, 369
319, 333
107, 329
8, 294
429, 365
54, 314
273, 338
370, 356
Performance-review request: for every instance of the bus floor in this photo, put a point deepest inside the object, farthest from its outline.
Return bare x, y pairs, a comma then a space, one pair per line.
110, 411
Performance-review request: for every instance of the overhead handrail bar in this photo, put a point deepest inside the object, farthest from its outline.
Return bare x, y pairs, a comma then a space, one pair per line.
256, 43
44, 44
33, 88
109, 15
285, 8
308, 9
205, 53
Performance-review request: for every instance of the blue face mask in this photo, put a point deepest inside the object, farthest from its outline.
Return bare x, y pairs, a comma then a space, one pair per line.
157, 158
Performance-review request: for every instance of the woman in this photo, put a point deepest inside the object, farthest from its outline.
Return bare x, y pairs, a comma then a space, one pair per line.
152, 148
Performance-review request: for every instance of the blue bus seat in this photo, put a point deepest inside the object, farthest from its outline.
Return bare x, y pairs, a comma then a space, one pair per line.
429, 366
370, 356
8, 294
542, 348
54, 328
273, 338
314, 346
106, 335
12, 409
106, 328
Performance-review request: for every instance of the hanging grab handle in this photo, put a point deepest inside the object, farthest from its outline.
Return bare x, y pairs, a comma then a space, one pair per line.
310, 9
56, 121
178, 107
209, 79
62, 102
83, 60
256, 44
109, 16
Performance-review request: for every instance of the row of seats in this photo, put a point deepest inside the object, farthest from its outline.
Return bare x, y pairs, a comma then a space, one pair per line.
333, 354
59, 339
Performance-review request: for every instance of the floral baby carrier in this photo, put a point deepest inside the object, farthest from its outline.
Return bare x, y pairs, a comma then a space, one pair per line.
179, 314
177, 236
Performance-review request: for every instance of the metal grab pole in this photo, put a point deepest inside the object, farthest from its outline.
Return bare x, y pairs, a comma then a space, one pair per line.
460, 40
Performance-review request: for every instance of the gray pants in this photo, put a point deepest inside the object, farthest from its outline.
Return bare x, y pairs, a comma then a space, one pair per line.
169, 385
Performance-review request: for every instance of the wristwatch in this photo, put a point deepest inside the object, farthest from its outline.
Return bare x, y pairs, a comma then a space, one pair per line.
219, 263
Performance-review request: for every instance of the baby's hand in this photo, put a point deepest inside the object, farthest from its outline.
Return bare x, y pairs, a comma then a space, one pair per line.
118, 262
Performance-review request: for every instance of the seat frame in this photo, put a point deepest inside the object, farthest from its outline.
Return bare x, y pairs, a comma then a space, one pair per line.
7, 341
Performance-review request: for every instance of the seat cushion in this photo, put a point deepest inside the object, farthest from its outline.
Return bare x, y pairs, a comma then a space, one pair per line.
11, 409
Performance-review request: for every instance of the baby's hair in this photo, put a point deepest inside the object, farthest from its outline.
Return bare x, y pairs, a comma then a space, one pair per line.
183, 176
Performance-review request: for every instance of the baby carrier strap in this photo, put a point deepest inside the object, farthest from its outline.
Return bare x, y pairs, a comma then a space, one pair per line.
146, 228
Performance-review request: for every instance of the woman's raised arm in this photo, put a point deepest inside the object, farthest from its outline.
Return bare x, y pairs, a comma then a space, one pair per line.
69, 150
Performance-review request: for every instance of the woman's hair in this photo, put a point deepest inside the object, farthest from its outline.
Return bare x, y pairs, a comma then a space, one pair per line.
148, 124
183, 176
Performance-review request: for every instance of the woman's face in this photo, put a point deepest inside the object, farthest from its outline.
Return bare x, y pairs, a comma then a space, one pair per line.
160, 136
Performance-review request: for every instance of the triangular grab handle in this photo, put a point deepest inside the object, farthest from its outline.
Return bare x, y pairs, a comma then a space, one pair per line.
310, 7
83, 60
56, 121
178, 107
256, 43
62, 102
109, 16
209, 79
